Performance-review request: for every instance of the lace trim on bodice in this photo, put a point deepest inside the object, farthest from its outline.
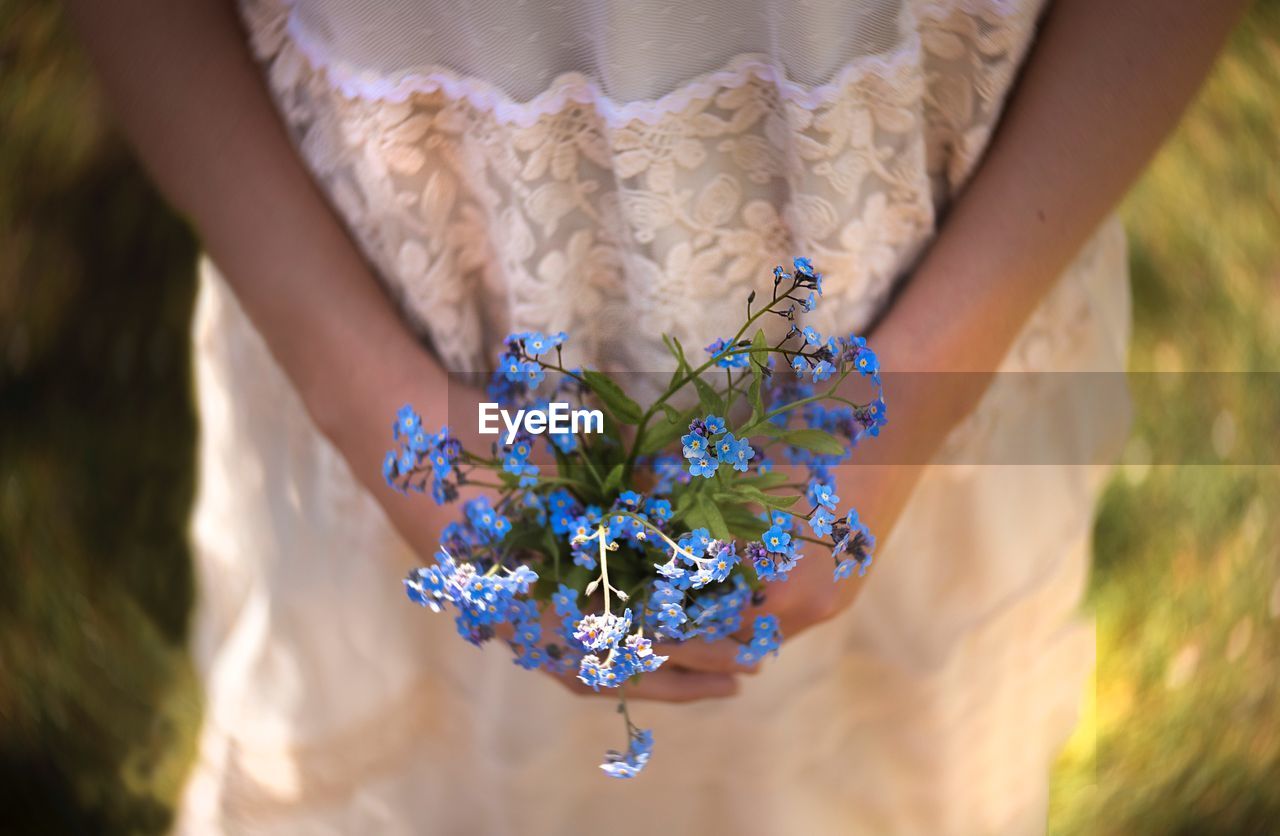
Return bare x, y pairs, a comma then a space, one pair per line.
620, 221
574, 88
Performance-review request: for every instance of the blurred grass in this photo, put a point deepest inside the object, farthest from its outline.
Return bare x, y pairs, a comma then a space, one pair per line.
98, 704
1182, 731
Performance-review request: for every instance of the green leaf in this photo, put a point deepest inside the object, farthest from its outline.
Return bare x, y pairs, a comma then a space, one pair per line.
815, 440
612, 438
611, 395
568, 467
550, 541
765, 428
685, 500
682, 364
709, 397
552, 549
765, 480
526, 535
665, 432
710, 513
753, 398
747, 493
768, 499
614, 480
759, 355
759, 350
680, 350
742, 523
675, 352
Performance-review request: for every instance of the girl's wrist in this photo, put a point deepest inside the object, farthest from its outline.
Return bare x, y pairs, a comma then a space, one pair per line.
351, 403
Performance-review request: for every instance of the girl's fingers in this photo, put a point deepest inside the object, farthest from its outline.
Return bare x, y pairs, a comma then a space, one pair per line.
677, 685
709, 657
663, 685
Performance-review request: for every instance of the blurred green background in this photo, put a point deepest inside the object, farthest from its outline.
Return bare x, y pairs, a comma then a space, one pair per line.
98, 703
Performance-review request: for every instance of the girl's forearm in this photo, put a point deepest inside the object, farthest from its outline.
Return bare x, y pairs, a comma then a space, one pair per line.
186, 90
1103, 86
189, 96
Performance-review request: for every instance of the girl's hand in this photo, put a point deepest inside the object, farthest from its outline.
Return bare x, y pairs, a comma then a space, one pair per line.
811, 595
808, 598
670, 683
1077, 130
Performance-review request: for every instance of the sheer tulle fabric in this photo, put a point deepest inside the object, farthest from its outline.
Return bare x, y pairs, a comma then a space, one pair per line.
619, 170
630, 60
570, 210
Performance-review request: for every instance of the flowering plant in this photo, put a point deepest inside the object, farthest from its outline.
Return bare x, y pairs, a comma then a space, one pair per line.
633, 547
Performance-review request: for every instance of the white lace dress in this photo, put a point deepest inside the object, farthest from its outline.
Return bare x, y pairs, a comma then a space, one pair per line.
616, 169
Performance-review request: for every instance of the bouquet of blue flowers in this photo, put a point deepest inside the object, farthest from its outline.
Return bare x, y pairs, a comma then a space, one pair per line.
631, 544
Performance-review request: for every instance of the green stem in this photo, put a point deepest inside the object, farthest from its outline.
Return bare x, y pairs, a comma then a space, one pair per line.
794, 514
663, 535
729, 392
557, 367
683, 381
480, 461
626, 714
480, 484
591, 467
824, 396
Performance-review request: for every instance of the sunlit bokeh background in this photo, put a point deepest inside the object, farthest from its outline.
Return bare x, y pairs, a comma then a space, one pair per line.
98, 702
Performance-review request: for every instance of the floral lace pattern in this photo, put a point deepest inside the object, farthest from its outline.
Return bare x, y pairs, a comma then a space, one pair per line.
616, 223
621, 227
